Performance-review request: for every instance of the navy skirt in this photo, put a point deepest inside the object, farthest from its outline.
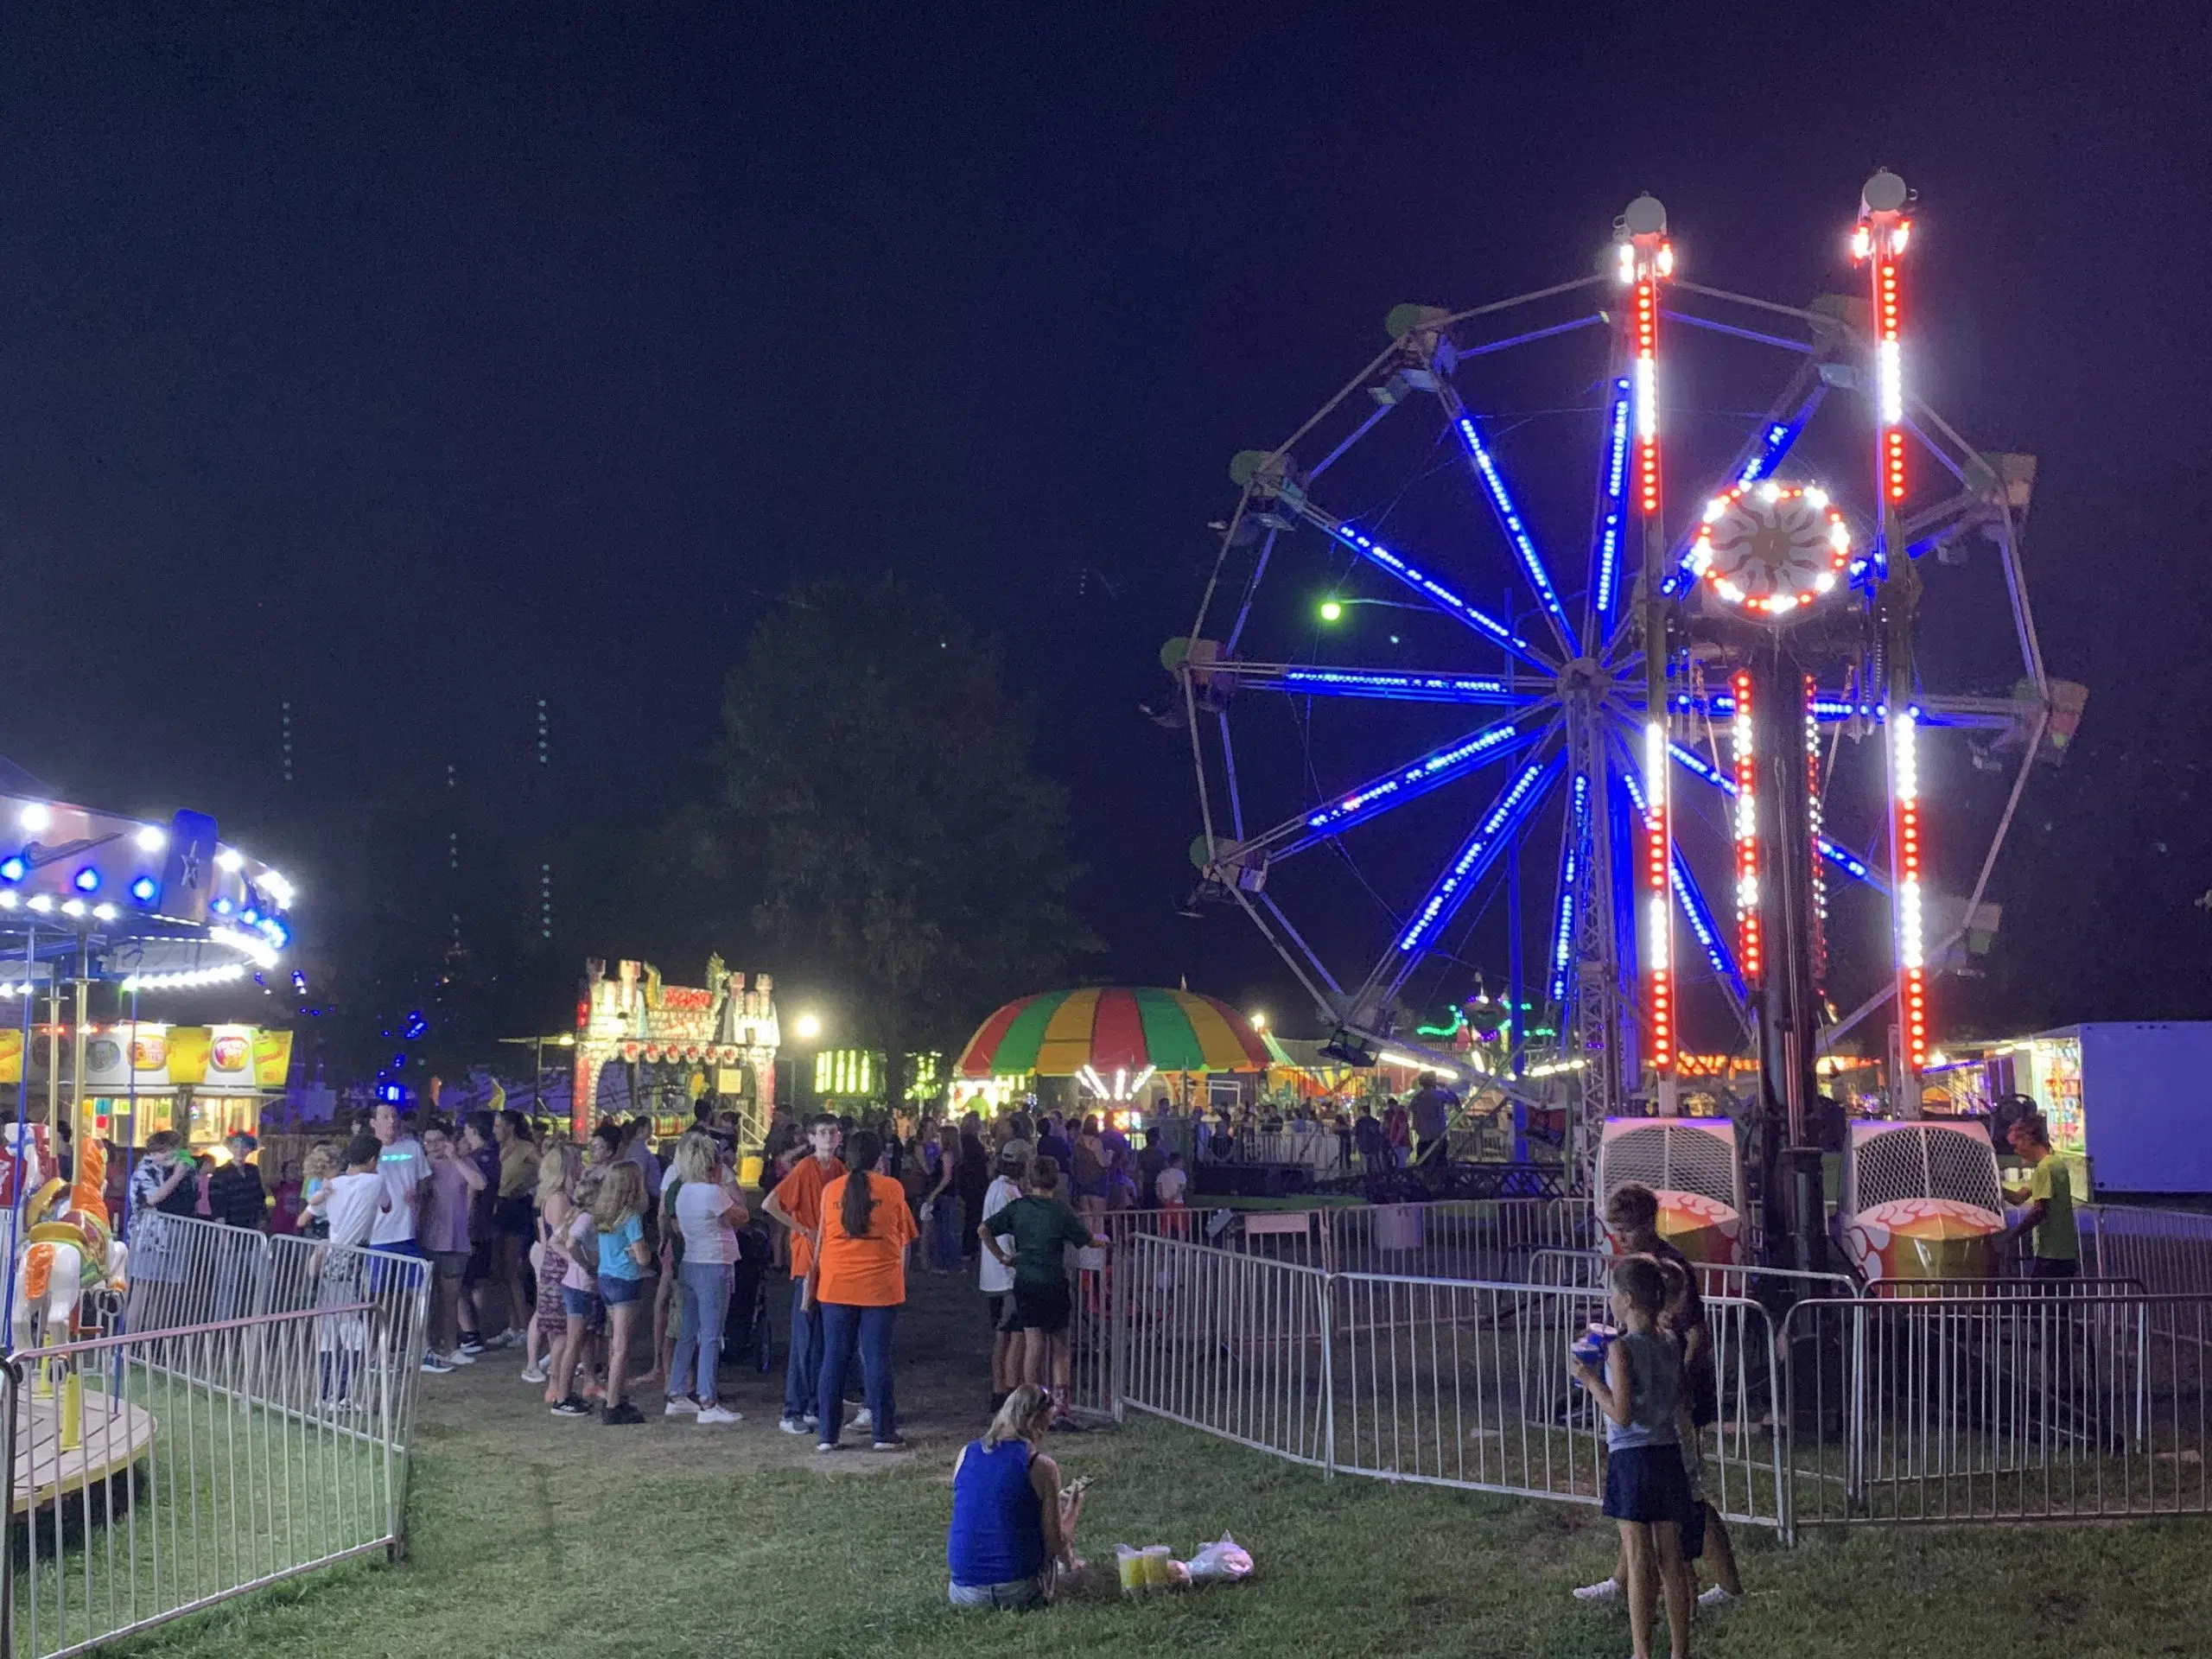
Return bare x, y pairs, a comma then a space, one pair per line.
1648, 1483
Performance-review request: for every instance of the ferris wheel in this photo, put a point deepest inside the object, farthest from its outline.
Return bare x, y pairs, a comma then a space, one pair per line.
1651, 648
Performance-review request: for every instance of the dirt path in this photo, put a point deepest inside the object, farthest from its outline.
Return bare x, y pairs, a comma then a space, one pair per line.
942, 1365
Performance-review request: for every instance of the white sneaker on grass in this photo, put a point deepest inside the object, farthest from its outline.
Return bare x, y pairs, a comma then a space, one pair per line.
534, 1372
1605, 1590
680, 1405
1716, 1597
720, 1414
460, 1357
862, 1419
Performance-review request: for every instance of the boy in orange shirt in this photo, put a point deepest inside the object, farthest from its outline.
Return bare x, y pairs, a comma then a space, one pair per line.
797, 1203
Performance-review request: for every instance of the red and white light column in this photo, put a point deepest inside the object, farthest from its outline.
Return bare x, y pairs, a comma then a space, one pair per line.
1879, 242
1750, 957
1818, 864
1646, 259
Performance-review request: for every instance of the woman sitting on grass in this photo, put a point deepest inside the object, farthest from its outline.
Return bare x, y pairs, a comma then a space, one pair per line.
1013, 1537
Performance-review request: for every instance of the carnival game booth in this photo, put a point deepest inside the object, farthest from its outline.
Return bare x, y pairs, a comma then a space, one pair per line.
1921, 1201
645, 1046
1693, 1168
207, 1082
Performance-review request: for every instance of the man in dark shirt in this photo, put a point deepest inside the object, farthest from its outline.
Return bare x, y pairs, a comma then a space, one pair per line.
235, 1194
1150, 1162
1432, 1109
1040, 1307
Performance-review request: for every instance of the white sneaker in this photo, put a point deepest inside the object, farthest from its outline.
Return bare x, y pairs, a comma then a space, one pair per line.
720, 1414
862, 1419
459, 1358
1716, 1597
680, 1405
1603, 1590
534, 1372
509, 1338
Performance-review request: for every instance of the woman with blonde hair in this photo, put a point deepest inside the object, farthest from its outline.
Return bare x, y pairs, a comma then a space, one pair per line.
548, 1260
704, 1213
1013, 1534
618, 1211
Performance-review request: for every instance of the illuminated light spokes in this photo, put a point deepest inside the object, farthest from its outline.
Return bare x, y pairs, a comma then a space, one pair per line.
1658, 943
1509, 519
1422, 775
1495, 828
1881, 239
185, 979
1368, 547
1814, 826
1911, 921
1748, 950
1608, 530
1771, 547
1415, 688
1570, 869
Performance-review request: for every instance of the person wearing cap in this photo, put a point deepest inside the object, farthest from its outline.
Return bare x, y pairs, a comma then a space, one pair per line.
235, 1194
2055, 1248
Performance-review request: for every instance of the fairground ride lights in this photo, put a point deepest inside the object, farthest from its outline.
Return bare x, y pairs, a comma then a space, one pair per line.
254, 950
1414, 1063
186, 978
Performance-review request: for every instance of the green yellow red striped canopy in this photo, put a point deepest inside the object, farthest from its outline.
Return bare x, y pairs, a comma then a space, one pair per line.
1057, 1034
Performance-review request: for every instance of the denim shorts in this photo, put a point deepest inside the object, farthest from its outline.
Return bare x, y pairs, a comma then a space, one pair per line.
616, 1292
575, 1303
1019, 1594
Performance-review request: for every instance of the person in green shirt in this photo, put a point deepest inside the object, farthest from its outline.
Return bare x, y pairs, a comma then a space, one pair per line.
1042, 1229
2055, 1250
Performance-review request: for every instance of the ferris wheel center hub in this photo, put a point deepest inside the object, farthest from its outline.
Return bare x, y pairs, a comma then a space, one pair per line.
1586, 679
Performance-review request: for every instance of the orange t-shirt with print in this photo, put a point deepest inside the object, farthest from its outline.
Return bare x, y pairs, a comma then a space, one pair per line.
800, 1193
868, 1272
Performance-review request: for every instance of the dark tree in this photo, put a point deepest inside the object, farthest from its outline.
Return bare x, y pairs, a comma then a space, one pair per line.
880, 810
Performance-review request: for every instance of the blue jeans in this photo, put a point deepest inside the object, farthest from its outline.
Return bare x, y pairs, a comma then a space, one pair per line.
843, 1327
944, 1232
704, 1287
803, 1372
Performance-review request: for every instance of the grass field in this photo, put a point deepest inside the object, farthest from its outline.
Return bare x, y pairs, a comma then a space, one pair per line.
532, 1536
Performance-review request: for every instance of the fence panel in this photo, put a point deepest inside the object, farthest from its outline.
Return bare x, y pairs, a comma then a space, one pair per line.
2011, 1406
1226, 1342
153, 1474
1488, 1240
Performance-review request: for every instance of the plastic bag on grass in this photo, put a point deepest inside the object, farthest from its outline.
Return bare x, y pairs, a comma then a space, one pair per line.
1222, 1561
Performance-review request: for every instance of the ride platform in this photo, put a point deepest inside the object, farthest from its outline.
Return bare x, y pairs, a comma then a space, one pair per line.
114, 1434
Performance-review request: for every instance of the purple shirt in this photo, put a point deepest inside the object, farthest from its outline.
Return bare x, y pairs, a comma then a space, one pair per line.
446, 1227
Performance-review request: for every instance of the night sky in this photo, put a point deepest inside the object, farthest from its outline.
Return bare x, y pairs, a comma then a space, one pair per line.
414, 364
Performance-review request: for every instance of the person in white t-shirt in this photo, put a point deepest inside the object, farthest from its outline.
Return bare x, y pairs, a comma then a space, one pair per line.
1171, 1183
996, 1278
708, 1212
351, 1203
406, 1171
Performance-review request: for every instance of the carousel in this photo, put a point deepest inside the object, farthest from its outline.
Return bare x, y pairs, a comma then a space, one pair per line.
96, 908
1123, 1046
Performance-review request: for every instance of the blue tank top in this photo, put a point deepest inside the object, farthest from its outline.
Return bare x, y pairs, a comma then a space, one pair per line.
998, 1527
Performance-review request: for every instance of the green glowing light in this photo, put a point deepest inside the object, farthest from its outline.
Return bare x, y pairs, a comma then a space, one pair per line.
1331, 610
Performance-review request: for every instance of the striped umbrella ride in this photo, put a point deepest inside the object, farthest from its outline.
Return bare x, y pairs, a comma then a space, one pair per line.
1105, 1030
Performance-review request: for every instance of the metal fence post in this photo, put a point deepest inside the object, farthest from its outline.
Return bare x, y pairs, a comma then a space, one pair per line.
1117, 1314
1328, 1377
11, 1384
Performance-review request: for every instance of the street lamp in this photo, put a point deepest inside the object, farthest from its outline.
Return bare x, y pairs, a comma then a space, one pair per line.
1334, 607
807, 1028
1259, 1019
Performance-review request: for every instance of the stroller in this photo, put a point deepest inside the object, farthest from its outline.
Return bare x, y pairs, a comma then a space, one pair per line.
745, 1331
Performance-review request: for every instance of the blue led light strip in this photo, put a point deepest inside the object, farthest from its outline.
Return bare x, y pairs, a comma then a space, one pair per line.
1496, 828
1408, 688
1607, 584
1571, 867
1368, 547
1418, 778
1509, 519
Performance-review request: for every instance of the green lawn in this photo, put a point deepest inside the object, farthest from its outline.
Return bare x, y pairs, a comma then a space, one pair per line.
530, 1537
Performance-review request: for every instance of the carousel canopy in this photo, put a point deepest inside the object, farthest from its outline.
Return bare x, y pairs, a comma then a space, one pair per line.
1057, 1033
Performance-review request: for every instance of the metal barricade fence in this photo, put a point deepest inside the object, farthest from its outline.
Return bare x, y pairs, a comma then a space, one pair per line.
1998, 1407
1437, 1380
1230, 1343
154, 1474
1592, 1269
1488, 1239
2168, 1251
